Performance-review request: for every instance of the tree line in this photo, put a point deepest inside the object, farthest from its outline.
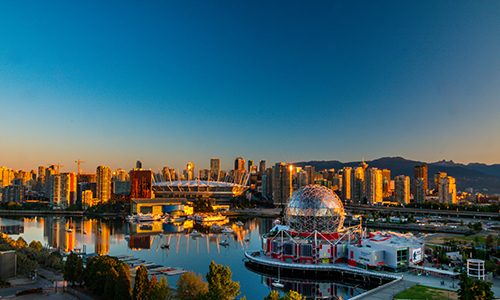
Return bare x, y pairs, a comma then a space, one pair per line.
109, 278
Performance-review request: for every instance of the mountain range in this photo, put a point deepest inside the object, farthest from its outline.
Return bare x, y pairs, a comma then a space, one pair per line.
481, 177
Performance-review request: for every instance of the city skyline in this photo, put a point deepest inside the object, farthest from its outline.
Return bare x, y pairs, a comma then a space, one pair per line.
168, 83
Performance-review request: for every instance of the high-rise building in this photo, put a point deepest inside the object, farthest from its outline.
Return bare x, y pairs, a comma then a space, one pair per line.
386, 183
358, 191
103, 183
421, 171
239, 170
347, 184
448, 190
310, 174
250, 165
189, 171
282, 183
214, 169
437, 180
55, 186
6, 176
402, 189
374, 194
141, 184
262, 166
68, 189
419, 190
203, 174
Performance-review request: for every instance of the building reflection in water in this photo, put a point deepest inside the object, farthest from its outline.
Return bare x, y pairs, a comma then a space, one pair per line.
316, 289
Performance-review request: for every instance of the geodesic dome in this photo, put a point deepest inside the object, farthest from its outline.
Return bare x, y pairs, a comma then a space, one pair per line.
315, 207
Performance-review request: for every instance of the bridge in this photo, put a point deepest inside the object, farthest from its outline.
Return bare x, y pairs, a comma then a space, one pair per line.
426, 212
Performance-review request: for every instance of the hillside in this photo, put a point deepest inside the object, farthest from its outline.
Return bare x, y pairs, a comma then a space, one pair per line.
481, 177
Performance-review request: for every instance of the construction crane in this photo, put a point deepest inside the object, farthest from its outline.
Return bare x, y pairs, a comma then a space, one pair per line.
78, 163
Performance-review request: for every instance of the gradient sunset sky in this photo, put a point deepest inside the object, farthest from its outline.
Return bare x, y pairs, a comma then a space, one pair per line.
167, 82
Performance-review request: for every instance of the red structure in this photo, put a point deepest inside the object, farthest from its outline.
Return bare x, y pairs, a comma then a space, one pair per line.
141, 182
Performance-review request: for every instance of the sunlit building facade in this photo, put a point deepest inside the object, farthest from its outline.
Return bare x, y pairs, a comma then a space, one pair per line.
103, 184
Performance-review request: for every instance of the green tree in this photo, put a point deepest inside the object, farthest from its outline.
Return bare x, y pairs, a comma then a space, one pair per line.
97, 270
293, 295
220, 284
110, 283
273, 295
123, 287
36, 245
25, 265
159, 290
471, 289
191, 286
21, 243
73, 268
141, 286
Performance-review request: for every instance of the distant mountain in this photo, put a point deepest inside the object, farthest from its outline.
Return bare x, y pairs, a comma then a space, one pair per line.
481, 177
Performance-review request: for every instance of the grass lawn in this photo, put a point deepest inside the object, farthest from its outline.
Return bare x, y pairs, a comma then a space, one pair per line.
426, 293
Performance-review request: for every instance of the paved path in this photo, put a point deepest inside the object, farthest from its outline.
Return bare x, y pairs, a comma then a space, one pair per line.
389, 291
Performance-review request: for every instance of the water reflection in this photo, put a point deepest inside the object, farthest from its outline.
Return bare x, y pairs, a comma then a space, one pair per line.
317, 289
171, 245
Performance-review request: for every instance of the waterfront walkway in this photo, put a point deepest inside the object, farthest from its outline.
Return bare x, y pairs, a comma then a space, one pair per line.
386, 291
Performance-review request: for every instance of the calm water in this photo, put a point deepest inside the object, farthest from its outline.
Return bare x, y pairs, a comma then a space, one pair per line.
194, 254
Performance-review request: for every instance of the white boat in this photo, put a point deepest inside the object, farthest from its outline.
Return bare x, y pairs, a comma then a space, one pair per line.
278, 284
195, 233
69, 230
227, 230
224, 243
239, 223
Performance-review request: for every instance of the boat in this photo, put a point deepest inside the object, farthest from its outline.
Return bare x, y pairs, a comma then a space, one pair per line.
209, 218
239, 223
277, 284
165, 246
224, 243
247, 239
227, 230
69, 230
195, 233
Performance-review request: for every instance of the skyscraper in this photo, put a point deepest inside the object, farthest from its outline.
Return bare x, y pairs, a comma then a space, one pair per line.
374, 194
386, 183
359, 185
250, 165
55, 190
214, 169
419, 190
421, 171
347, 184
448, 190
402, 189
189, 171
282, 183
437, 180
239, 170
68, 189
262, 166
103, 183
310, 174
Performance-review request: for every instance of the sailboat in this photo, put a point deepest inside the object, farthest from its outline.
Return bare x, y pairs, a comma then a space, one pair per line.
277, 283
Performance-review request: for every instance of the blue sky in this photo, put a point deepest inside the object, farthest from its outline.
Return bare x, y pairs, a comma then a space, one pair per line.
111, 82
